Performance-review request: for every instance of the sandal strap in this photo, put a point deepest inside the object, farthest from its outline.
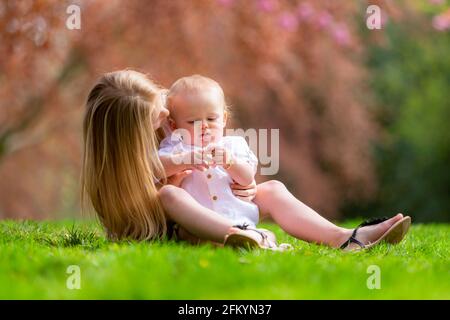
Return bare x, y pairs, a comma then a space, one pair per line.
246, 226
368, 222
352, 239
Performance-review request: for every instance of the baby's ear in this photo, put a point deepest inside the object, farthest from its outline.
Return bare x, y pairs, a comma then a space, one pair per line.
225, 118
171, 123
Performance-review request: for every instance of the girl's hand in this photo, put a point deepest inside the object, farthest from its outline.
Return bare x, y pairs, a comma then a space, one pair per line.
194, 159
178, 178
246, 193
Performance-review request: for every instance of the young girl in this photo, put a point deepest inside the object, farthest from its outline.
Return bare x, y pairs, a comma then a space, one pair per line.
121, 164
124, 110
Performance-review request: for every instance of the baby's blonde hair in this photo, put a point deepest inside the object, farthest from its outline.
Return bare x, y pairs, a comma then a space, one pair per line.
195, 84
121, 164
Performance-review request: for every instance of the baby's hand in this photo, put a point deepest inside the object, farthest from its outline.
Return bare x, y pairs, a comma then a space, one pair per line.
220, 155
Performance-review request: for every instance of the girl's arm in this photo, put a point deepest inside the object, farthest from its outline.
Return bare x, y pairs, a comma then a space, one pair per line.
176, 163
172, 164
178, 178
246, 193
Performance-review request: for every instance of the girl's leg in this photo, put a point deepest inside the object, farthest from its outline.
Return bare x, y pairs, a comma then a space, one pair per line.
197, 223
192, 216
184, 235
302, 222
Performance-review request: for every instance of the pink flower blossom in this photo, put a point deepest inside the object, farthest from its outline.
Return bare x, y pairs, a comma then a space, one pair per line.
324, 19
437, 2
267, 5
305, 11
441, 22
384, 19
226, 3
288, 21
341, 34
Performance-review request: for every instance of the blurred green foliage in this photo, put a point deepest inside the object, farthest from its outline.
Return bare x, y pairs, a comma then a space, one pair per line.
411, 81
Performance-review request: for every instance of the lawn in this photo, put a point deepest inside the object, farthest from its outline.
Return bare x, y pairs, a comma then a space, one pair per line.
34, 257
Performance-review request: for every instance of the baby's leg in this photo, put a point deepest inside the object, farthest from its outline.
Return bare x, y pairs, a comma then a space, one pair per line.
302, 222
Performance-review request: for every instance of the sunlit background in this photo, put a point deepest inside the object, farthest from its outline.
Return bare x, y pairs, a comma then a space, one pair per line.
363, 114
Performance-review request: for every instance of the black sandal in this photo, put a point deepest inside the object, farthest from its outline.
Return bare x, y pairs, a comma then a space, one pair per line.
393, 235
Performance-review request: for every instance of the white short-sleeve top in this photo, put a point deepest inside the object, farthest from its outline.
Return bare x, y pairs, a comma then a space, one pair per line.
211, 188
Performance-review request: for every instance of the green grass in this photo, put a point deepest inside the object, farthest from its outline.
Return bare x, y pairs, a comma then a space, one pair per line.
34, 257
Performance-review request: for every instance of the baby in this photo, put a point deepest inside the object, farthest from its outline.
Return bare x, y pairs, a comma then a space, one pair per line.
198, 116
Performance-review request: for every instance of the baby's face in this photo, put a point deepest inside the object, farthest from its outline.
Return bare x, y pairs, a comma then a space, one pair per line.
201, 115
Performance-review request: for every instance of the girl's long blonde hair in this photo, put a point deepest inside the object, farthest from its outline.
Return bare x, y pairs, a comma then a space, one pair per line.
120, 163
